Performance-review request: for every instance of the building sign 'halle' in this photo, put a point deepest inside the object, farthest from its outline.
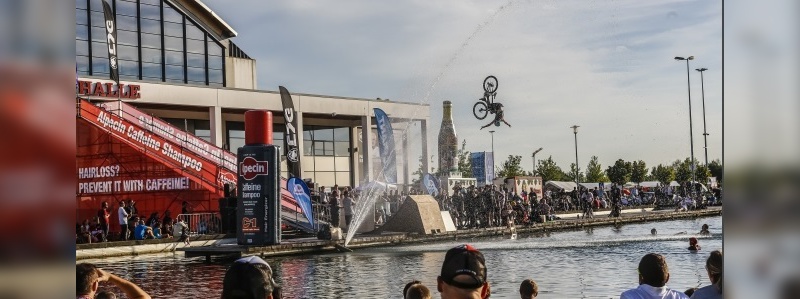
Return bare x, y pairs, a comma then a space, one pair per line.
100, 89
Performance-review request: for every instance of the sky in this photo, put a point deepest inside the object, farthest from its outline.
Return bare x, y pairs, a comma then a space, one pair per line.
606, 66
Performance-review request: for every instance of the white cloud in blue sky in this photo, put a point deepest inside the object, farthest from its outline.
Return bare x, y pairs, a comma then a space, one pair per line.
604, 65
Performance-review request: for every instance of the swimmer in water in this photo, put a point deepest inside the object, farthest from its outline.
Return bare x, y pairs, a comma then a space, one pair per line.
704, 230
653, 232
693, 246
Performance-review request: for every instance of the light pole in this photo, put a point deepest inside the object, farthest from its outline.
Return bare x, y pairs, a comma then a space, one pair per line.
577, 190
534, 160
691, 135
703, 90
493, 157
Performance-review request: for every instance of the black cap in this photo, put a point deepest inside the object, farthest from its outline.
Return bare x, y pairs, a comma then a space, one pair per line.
464, 260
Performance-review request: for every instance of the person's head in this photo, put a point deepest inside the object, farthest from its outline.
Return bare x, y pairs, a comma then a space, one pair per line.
690, 291
714, 268
408, 285
653, 231
528, 289
248, 278
86, 279
122, 203
705, 227
653, 270
104, 205
463, 273
417, 291
105, 295
692, 241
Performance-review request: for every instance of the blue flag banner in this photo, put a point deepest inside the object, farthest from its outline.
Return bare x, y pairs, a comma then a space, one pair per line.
489, 166
479, 167
301, 194
430, 184
386, 146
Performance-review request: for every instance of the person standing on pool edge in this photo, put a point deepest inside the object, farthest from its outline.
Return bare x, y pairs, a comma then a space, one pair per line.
653, 277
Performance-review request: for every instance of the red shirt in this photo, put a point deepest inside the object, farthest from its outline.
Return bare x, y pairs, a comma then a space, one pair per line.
104, 215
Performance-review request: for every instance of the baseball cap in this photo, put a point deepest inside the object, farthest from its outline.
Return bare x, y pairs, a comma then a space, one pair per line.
464, 260
248, 277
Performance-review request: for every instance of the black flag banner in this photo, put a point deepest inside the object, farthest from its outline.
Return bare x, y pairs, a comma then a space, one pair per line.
291, 149
111, 39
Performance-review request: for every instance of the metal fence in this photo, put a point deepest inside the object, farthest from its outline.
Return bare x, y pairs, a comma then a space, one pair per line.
202, 223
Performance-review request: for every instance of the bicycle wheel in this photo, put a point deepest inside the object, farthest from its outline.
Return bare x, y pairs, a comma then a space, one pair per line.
480, 110
490, 84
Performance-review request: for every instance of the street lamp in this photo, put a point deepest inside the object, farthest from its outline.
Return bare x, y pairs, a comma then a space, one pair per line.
534, 160
577, 190
691, 135
493, 157
705, 134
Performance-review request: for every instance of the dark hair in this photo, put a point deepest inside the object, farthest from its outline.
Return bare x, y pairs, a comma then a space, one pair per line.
105, 295
690, 291
408, 285
86, 275
714, 266
653, 270
528, 289
418, 291
245, 280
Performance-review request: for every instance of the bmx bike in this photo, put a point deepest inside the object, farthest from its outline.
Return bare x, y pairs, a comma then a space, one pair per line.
485, 105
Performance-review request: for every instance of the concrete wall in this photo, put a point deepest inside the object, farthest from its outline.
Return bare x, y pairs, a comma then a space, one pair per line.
240, 73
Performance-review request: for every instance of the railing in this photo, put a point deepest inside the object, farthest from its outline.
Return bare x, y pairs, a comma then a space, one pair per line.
201, 223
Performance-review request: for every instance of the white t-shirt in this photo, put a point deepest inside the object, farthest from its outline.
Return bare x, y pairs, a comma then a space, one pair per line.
123, 216
645, 291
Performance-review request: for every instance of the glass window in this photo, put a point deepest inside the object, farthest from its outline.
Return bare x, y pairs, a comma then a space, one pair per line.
174, 57
151, 26
341, 134
215, 62
307, 148
173, 29
126, 23
128, 53
100, 49
82, 64
323, 134
96, 5
215, 76
175, 73
196, 74
152, 12
203, 134
196, 46
173, 43
82, 4
127, 38
82, 32
98, 19
196, 60
341, 148
172, 15
308, 134
151, 2
99, 65
99, 34
151, 40
81, 16
128, 68
81, 47
214, 48
151, 55
151, 70
126, 8
194, 33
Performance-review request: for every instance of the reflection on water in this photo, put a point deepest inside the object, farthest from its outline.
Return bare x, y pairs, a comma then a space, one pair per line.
588, 263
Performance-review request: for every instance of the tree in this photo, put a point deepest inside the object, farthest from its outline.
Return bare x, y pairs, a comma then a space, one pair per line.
594, 171
620, 172
570, 176
548, 170
638, 171
464, 161
421, 171
702, 173
715, 167
511, 167
663, 174
683, 170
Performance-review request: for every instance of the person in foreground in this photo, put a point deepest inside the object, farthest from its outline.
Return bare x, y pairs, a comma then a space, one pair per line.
88, 278
249, 278
653, 277
418, 291
463, 274
528, 289
714, 268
